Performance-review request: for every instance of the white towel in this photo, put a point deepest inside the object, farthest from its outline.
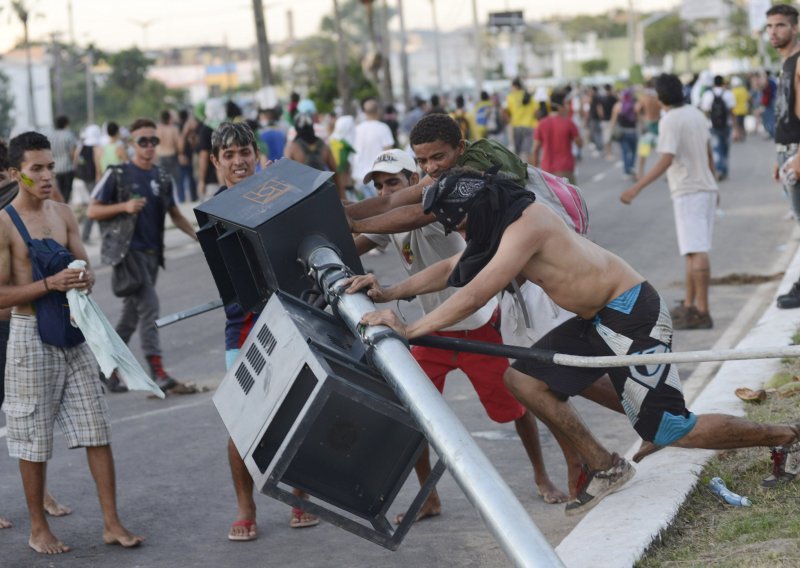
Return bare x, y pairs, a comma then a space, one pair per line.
108, 348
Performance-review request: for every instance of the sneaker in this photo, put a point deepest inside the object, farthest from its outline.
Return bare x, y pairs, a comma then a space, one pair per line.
160, 376
597, 484
679, 313
791, 299
113, 383
694, 320
785, 463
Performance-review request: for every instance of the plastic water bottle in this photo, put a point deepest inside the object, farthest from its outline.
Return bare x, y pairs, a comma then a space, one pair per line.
718, 487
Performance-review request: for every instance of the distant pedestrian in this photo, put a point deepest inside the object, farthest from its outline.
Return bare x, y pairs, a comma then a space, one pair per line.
521, 112
65, 148
649, 108
685, 147
167, 149
187, 184
624, 120
553, 139
607, 101
718, 103
131, 202
372, 138
311, 150
741, 109
271, 134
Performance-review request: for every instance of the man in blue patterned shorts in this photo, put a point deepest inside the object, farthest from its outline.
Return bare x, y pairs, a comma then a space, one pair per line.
54, 378
617, 313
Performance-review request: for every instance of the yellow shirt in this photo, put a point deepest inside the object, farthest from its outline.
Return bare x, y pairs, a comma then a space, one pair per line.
521, 115
742, 97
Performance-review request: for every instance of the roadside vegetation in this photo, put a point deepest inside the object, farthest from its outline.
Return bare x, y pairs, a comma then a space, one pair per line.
708, 532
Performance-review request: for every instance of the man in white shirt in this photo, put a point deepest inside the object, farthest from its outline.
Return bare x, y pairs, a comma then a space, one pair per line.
685, 148
372, 138
718, 103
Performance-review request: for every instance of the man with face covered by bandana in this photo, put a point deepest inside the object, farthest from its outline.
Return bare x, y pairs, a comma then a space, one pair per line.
509, 235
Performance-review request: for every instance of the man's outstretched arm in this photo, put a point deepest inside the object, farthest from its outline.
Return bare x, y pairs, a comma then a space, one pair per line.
432, 279
383, 203
398, 220
663, 163
515, 250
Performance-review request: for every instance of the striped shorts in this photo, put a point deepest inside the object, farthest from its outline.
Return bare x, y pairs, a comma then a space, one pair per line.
46, 384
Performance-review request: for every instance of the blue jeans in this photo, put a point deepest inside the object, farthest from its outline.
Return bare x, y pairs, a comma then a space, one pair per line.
768, 120
628, 141
792, 191
187, 184
721, 145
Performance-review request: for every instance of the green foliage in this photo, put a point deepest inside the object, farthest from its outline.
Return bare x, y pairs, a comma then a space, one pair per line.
635, 75
605, 27
128, 94
325, 92
128, 68
594, 66
6, 106
669, 35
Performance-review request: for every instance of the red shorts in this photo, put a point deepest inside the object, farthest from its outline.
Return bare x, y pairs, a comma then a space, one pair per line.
484, 372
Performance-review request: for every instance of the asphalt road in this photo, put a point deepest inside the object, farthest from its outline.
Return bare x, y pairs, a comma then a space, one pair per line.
173, 480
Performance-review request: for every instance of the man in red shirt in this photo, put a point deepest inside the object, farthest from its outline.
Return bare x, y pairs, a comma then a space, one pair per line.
554, 138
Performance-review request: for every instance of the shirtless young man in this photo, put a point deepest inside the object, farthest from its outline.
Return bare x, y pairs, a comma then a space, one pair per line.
649, 108
392, 171
8, 191
618, 313
57, 383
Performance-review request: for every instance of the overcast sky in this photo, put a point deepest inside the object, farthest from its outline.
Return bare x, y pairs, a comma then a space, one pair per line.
115, 24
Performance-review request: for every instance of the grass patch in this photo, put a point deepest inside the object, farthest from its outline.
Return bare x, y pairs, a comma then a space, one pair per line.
708, 532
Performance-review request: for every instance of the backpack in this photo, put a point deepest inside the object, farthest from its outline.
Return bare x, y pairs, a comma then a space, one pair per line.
718, 113
313, 154
86, 169
564, 199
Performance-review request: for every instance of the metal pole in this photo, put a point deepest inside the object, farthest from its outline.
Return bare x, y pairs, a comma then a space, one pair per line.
342, 78
656, 358
404, 57
263, 44
386, 48
631, 34
504, 516
89, 85
437, 48
478, 52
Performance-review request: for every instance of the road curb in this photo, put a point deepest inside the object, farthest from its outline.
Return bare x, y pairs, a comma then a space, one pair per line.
617, 532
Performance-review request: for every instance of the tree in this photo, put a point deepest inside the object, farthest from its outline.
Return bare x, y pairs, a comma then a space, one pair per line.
669, 35
594, 66
6, 106
325, 92
128, 68
604, 26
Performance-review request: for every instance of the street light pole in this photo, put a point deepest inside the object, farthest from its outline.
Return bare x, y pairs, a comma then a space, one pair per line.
404, 57
89, 85
478, 52
437, 48
342, 79
263, 45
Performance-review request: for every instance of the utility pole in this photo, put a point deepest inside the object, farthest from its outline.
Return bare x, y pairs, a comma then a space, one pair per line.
71, 23
263, 45
89, 84
342, 79
58, 82
478, 52
388, 92
23, 13
437, 48
631, 34
144, 24
404, 57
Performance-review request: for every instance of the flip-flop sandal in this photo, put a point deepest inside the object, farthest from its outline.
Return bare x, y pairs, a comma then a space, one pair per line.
250, 525
750, 395
300, 519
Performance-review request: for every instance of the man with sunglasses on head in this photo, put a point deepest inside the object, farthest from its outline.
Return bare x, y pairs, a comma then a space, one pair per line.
131, 202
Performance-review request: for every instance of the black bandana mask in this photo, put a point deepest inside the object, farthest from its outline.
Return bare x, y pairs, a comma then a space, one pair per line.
451, 198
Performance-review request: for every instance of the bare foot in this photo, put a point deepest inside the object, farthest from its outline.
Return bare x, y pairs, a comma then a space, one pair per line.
47, 543
431, 508
53, 507
551, 494
5, 523
122, 537
645, 450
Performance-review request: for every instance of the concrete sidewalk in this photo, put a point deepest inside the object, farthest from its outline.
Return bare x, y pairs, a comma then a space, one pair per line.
617, 532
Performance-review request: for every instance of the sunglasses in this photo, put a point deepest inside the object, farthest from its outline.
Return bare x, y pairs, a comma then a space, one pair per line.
147, 141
